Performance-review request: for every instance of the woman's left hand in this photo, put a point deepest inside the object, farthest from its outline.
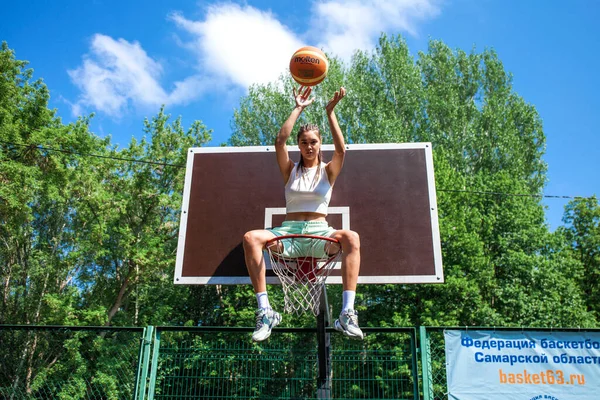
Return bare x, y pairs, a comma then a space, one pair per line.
335, 99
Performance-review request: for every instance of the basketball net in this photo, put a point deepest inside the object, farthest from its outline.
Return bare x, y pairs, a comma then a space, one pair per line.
302, 263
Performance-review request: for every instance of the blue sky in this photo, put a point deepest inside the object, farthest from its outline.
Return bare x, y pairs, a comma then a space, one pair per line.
123, 59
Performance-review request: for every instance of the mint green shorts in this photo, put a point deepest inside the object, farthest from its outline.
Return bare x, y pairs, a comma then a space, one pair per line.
304, 247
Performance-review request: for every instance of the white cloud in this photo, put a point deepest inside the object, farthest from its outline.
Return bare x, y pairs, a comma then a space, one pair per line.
115, 72
349, 25
235, 46
241, 45
188, 90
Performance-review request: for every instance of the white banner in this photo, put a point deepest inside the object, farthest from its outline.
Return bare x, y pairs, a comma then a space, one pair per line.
522, 365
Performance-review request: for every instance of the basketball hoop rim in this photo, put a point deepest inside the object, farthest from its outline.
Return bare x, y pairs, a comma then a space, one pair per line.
300, 236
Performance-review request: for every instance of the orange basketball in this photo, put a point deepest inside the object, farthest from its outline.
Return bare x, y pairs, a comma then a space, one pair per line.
309, 66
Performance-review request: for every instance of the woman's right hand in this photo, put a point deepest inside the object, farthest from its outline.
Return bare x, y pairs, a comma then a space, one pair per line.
302, 96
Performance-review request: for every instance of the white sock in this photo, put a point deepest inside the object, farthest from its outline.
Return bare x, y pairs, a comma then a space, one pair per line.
348, 300
263, 300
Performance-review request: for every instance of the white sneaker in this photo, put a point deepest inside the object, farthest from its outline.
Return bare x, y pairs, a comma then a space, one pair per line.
348, 324
266, 319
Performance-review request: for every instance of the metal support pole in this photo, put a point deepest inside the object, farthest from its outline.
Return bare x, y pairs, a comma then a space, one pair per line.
324, 354
426, 363
414, 364
142, 375
154, 365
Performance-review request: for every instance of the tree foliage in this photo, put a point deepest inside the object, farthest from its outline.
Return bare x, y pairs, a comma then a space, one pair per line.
488, 145
88, 231
582, 235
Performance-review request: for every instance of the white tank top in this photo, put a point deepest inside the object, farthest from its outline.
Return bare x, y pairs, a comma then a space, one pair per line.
307, 192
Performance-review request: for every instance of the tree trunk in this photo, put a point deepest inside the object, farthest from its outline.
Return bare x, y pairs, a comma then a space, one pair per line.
120, 296
30, 364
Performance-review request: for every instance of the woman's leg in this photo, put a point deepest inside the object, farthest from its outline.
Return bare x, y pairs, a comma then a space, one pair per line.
254, 244
347, 323
350, 242
266, 319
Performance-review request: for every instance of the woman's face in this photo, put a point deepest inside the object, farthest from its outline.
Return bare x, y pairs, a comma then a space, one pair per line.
309, 143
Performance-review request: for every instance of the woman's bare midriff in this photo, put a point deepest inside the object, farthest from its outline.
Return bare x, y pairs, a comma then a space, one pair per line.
304, 216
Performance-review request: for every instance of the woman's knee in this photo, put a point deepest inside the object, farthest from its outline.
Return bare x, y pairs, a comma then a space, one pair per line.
350, 239
256, 238
251, 239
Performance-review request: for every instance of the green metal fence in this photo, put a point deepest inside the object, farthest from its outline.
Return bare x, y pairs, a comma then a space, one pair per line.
59, 362
42, 362
223, 363
433, 363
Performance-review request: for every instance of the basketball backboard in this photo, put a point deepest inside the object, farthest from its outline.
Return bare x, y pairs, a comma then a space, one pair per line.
386, 193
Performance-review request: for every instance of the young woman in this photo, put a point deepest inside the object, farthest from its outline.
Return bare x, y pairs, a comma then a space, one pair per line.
308, 187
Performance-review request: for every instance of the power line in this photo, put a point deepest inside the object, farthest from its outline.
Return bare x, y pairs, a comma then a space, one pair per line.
513, 194
39, 147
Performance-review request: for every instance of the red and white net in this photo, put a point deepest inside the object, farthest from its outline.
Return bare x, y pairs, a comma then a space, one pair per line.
302, 263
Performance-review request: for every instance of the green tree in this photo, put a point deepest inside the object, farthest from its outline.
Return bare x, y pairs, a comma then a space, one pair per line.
135, 215
88, 232
488, 144
42, 186
39, 195
582, 233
